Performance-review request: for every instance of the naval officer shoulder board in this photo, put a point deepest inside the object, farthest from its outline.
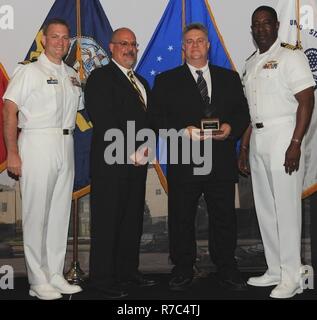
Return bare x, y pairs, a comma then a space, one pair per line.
25, 62
289, 46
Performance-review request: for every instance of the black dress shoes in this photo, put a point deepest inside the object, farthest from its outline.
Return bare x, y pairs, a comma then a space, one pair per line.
111, 293
138, 280
233, 282
180, 282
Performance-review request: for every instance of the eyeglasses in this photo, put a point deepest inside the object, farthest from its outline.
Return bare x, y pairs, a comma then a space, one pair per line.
126, 44
199, 41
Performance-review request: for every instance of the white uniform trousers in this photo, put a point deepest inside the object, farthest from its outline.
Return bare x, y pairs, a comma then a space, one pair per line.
46, 189
277, 197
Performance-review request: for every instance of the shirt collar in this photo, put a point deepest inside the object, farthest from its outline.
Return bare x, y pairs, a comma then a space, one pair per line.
276, 44
194, 69
123, 69
50, 65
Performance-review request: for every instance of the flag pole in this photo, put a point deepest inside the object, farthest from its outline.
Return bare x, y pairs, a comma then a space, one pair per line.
78, 51
183, 24
75, 274
219, 34
298, 42
156, 164
183, 14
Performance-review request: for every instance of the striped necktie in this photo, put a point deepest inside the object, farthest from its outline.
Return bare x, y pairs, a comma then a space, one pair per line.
132, 80
202, 86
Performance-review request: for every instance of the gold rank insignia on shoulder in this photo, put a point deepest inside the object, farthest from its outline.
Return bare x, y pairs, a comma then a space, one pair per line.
288, 46
251, 56
271, 65
24, 62
27, 61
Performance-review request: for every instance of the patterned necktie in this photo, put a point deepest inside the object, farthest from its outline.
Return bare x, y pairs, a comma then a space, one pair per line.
202, 86
132, 80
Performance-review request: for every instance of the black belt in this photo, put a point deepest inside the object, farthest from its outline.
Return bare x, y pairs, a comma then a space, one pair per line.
259, 125
67, 131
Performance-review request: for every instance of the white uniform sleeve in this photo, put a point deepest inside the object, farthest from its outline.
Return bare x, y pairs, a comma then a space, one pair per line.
298, 74
19, 86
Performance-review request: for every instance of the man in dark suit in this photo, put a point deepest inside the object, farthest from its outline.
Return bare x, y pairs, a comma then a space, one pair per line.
181, 97
114, 96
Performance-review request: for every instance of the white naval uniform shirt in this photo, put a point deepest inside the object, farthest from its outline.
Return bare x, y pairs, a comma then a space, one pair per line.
272, 79
47, 95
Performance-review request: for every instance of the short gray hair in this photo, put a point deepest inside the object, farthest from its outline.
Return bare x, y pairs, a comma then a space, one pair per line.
195, 26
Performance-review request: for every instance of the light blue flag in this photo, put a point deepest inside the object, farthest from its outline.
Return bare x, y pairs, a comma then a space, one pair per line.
164, 50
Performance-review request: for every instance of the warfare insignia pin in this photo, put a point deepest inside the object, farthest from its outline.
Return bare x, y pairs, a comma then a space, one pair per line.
271, 65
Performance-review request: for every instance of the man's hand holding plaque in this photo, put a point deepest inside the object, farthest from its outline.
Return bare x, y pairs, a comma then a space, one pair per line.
194, 134
223, 132
210, 127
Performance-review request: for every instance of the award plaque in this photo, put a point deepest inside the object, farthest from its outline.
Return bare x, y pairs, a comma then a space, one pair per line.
210, 124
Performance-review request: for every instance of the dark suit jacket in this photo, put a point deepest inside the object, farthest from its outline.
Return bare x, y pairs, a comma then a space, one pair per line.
177, 103
111, 101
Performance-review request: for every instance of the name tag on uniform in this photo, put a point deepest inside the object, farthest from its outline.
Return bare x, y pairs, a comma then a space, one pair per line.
271, 65
52, 81
75, 82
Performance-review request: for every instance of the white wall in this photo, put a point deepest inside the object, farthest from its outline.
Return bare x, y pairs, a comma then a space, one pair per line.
232, 17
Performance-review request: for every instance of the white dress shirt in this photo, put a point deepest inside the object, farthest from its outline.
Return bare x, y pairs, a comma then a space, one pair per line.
206, 74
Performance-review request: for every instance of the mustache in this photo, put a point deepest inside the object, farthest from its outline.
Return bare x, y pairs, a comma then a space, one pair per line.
130, 53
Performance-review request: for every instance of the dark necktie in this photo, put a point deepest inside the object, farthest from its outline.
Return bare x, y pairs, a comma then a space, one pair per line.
202, 86
132, 80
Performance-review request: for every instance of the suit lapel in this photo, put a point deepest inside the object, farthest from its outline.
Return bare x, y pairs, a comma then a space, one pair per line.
214, 82
190, 83
218, 88
125, 82
121, 77
146, 87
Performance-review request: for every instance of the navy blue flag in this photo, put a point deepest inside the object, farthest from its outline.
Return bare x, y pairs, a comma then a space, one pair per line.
93, 35
164, 50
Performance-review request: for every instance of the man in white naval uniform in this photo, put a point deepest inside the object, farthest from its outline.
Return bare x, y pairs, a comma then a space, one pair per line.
46, 95
279, 88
